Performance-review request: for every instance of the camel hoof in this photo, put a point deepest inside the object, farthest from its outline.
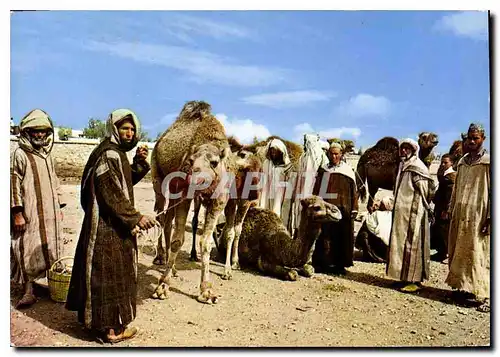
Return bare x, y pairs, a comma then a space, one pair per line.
227, 276
236, 266
308, 270
207, 297
160, 292
175, 273
159, 260
293, 275
194, 258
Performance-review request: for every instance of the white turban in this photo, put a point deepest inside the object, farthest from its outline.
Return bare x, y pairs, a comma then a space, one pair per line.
411, 142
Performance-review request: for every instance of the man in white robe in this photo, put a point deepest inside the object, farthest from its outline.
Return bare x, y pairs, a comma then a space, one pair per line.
469, 235
409, 245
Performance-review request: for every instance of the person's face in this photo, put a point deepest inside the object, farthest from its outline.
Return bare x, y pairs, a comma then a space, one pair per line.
126, 131
445, 164
406, 151
474, 141
335, 155
274, 154
38, 136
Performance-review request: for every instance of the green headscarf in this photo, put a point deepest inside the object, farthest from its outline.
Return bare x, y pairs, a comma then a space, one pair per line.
112, 124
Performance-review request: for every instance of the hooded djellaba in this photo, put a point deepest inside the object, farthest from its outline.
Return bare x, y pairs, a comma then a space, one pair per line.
36, 200
409, 244
103, 286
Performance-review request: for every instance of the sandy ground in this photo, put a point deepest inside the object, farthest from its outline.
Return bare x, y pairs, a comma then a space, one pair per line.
360, 309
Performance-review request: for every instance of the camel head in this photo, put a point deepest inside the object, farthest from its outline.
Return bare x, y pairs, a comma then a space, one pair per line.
427, 140
205, 164
320, 211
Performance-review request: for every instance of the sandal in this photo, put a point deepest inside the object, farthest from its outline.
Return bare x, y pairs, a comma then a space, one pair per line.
410, 288
26, 300
126, 334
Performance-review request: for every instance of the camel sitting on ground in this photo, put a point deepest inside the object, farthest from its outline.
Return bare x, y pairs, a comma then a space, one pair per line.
195, 144
266, 244
378, 166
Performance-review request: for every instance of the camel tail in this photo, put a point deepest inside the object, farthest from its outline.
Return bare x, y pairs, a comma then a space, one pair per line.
361, 179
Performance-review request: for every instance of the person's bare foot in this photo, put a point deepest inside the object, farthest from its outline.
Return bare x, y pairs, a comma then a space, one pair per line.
126, 334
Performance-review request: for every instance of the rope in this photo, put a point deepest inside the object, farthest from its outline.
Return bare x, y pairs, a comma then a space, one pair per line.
366, 187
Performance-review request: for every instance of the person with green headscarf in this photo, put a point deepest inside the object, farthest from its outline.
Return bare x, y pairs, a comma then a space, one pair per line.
36, 200
103, 287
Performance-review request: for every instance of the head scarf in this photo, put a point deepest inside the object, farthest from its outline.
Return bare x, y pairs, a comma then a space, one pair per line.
313, 149
113, 123
278, 144
335, 145
36, 119
413, 144
476, 127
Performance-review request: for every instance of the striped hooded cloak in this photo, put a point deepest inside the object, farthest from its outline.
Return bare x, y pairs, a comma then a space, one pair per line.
35, 187
409, 244
103, 286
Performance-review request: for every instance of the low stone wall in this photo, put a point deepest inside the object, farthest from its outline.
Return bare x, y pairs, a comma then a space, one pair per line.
70, 157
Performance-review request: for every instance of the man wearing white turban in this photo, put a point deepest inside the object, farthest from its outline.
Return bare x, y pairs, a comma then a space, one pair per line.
409, 245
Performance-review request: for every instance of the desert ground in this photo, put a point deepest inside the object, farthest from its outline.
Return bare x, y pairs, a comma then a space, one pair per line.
361, 309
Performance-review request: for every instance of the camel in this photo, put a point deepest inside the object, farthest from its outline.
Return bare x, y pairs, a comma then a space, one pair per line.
266, 244
194, 145
378, 166
458, 149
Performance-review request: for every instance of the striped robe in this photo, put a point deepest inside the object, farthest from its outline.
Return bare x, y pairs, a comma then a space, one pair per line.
409, 244
103, 286
36, 188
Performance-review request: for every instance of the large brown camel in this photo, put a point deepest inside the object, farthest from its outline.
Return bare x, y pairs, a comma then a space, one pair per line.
195, 144
378, 166
266, 244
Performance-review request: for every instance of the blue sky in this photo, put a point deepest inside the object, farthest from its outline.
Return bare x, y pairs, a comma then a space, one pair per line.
356, 75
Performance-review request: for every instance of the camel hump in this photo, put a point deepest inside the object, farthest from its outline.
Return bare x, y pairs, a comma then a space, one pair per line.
387, 143
195, 110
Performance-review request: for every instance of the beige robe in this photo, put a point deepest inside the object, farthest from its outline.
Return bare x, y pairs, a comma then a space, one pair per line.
35, 187
409, 244
468, 248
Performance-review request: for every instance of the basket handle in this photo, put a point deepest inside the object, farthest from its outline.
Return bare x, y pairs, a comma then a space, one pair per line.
58, 260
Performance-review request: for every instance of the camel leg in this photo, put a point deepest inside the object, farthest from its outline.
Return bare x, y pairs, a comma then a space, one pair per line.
243, 207
180, 212
160, 200
372, 190
306, 270
213, 210
228, 237
276, 270
197, 206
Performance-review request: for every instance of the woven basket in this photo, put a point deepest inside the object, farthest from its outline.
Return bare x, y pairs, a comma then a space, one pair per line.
58, 282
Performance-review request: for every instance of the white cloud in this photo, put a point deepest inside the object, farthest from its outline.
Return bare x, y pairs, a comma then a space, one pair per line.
243, 129
472, 24
341, 133
365, 105
183, 25
289, 99
200, 66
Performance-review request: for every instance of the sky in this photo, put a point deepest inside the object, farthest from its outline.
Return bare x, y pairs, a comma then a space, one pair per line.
358, 75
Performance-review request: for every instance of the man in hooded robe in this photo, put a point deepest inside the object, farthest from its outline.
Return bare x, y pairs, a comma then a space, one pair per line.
336, 184
310, 161
469, 234
36, 200
276, 171
373, 236
103, 286
409, 245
